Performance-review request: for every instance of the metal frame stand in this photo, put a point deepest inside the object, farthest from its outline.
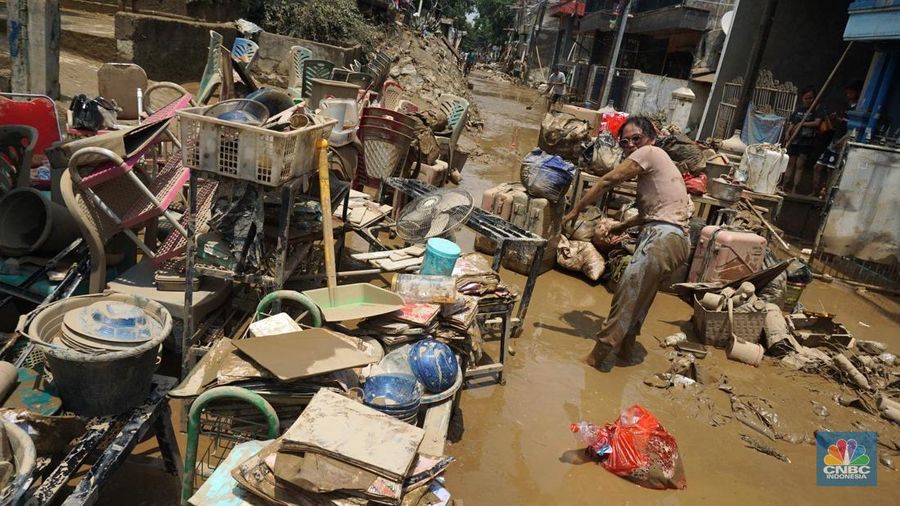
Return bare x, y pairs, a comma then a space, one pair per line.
504, 234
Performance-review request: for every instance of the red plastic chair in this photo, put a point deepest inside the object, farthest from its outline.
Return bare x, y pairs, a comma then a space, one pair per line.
36, 111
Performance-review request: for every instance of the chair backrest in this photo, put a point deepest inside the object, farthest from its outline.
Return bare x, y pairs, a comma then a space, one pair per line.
297, 55
245, 51
392, 115
212, 74
36, 111
340, 74
383, 122
16, 145
407, 107
363, 79
391, 93
456, 109
120, 82
315, 69
383, 151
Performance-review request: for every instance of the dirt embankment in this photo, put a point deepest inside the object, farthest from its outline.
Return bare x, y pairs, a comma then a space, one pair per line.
426, 68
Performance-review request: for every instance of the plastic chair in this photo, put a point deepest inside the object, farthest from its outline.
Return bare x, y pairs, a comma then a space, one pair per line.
36, 111
456, 109
245, 51
383, 151
363, 79
297, 55
340, 74
120, 82
16, 146
391, 93
314, 69
212, 73
392, 115
407, 107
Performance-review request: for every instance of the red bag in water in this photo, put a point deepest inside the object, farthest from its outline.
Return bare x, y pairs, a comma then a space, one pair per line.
643, 452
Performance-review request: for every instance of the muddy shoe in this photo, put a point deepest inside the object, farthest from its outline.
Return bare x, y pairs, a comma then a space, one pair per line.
598, 354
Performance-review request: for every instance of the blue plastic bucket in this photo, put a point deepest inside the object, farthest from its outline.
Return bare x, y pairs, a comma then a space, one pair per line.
440, 257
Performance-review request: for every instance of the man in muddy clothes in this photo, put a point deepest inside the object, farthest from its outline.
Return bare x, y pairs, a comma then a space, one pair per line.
664, 208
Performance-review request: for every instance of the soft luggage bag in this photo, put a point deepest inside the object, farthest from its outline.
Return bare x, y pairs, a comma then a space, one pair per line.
496, 200
543, 218
726, 255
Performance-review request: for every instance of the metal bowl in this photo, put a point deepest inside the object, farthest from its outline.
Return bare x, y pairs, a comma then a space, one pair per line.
724, 190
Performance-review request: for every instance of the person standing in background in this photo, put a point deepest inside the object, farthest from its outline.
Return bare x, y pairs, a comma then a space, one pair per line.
828, 160
802, 150
556, 87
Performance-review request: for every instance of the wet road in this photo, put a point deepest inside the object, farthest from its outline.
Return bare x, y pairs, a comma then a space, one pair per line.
516, 447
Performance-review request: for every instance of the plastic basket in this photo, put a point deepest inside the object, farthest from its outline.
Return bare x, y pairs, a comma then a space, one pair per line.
714, 329
248, 152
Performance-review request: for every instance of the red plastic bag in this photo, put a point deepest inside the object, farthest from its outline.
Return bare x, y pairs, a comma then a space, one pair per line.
643, 452
695, 184
613, 121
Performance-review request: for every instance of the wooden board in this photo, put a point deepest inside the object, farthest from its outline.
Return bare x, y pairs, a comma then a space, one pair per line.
301, 354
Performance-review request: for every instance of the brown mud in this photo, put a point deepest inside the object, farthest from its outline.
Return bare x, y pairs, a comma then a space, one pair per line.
516, 447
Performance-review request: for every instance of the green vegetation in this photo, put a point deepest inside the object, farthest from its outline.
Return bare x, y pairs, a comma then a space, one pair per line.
337, 22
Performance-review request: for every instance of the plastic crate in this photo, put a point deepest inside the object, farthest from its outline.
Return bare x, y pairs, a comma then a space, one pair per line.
247, 152
714, 329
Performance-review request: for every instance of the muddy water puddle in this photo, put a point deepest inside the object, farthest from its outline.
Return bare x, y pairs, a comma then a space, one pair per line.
516, 447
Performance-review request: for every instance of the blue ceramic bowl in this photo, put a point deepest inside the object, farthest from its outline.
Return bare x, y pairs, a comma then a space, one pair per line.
434, 364
392, 392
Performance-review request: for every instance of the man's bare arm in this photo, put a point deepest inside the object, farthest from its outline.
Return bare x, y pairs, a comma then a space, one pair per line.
626, 170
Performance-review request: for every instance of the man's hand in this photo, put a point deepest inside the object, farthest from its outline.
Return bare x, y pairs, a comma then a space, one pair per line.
572, 215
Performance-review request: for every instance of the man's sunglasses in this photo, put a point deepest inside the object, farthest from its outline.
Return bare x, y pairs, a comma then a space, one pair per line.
634, 140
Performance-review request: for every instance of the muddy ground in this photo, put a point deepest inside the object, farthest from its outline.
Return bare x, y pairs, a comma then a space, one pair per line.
516, 448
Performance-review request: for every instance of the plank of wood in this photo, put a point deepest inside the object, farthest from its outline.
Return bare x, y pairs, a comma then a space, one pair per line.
398, 255
437, 422
392, 265
372, 255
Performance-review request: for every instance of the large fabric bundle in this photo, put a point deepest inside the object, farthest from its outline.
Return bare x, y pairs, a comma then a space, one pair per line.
564, 135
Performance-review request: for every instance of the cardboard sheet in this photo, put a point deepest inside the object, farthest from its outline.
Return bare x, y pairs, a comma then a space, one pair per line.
301, 354
339, 427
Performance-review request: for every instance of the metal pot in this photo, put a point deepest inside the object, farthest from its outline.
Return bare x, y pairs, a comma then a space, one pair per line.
724, 190
714, 169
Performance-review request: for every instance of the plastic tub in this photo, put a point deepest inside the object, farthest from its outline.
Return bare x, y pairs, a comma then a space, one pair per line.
25, 457
103, 383
440, 257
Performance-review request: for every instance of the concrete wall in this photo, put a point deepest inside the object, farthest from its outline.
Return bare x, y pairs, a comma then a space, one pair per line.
805, 42
168, 49
172, 49
659, 90
273, 65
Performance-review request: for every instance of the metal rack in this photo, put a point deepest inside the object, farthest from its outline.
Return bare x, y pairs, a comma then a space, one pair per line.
287, 192
505, 234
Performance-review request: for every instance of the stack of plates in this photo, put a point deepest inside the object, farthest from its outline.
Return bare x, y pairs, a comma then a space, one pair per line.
397, 395
108, 326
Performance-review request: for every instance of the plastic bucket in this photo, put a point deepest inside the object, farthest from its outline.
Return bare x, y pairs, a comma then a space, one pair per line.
742, 351
440, 257
25, 456
31, 223
104, 383
792, 293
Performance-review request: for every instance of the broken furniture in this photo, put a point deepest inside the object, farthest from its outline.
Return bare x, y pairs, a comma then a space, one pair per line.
245, 51
506, 235
192, 476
